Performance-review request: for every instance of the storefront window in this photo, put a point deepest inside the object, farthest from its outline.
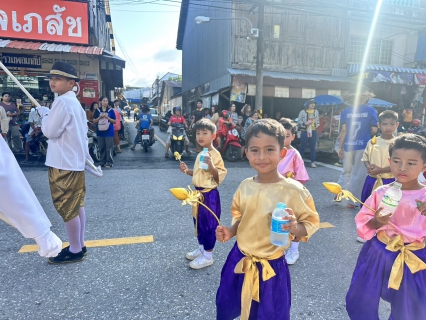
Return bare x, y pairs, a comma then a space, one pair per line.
37, 85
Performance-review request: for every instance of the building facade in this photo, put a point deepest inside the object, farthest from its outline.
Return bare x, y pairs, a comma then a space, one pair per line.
309, 49
34, 35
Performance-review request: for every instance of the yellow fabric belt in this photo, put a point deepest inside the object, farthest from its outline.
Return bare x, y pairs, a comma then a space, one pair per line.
195, 208
405, 256
250, 291
380, 177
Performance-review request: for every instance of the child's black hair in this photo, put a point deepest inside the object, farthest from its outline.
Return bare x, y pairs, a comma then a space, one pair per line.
289, 124
199, 100
409, 141
388, 114
269, 127
205, 124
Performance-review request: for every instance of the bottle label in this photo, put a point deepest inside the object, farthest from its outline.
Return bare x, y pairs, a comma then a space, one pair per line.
276, 225
201, 158
389, 201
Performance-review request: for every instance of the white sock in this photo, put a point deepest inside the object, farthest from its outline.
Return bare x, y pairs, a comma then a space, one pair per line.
208, 255
201, 248
294, 246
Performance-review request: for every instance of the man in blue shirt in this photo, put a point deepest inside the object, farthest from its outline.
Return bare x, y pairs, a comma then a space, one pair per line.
358, 125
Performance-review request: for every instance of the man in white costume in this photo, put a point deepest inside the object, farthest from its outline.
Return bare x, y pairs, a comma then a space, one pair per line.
20, 208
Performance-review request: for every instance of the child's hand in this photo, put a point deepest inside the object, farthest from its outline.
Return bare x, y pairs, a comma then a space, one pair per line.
383, 220
208, 160
373, 170
222, 234
421, 205
183, 167
292, 225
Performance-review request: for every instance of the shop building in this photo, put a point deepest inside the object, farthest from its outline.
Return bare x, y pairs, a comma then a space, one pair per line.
36, 34
309, 50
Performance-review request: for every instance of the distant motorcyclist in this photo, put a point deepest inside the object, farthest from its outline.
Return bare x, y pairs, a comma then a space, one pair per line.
176, 118
145, 122
225, 121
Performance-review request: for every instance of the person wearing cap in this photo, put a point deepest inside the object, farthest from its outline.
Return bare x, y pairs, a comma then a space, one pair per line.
65, 126
309, 122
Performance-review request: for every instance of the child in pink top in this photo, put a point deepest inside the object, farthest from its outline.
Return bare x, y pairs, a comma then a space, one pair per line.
400, 236
292, 166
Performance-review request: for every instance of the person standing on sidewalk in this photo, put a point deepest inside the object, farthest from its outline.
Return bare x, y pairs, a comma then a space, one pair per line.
117, 125
359, 124
13, 113
65, 126
104, 117
198, 115
309, 122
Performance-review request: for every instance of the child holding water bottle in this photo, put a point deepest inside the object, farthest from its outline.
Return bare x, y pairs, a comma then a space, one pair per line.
391, 264
255, 280
206, 177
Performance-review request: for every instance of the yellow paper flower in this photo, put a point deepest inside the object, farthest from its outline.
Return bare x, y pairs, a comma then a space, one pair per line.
290, 175
333, 187
177, 156
374, 140
187, 196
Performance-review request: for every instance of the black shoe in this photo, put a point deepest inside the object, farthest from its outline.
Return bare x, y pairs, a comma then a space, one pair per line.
84, 249
66, 256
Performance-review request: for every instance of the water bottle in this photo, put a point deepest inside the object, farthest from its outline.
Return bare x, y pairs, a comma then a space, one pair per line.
279, 237
204, 153
391, 199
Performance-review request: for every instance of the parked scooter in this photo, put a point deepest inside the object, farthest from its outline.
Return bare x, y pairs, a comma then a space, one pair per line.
94, 150
231, 147
177, 138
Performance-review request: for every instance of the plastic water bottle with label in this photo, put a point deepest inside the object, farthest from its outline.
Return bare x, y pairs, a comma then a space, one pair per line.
204, 153
279, 237
391, 199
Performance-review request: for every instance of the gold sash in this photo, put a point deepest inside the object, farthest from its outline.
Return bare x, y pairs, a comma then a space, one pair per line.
195, 208
405, 256
250, 291
380, 177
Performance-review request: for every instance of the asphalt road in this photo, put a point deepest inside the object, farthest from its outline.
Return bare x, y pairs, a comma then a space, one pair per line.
153, 280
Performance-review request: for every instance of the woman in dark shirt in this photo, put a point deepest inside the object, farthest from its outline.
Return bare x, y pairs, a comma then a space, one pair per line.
105, 136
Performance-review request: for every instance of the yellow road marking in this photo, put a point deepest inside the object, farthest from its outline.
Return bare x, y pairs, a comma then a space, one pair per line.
161, 141
325, 225
98, 243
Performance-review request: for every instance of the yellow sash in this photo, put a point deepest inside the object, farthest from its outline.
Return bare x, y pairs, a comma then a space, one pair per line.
405, 256
250, 291
195, 208
380, 177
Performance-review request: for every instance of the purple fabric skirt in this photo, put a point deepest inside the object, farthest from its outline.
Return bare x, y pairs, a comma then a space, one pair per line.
207, 223
368, 186
370, 283
275, 293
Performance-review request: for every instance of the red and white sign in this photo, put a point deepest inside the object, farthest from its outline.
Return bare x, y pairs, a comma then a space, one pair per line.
47, 20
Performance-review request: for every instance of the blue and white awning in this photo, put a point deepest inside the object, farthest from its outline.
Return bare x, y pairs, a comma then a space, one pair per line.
354, 69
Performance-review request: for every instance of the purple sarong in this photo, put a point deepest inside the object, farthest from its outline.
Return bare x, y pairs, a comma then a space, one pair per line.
370, 283
207, 223
369, 184
275, 293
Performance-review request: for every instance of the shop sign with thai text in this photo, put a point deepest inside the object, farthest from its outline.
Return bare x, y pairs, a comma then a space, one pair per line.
46, 20
21, 60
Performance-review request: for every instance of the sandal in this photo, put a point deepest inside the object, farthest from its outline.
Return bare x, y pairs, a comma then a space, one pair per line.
188, 152
351, 206
132, 148
166, 155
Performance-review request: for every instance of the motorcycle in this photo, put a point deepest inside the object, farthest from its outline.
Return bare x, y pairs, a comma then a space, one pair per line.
177, 138
38, 145
231, 147
146, 139
163, 123
94, 150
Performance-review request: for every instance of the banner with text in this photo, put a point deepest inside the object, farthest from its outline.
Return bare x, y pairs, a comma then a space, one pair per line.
47, 20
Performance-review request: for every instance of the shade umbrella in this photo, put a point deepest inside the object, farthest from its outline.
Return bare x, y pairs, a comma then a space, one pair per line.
326, 100
374, 102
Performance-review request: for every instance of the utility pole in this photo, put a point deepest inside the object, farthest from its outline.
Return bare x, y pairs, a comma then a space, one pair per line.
259, 57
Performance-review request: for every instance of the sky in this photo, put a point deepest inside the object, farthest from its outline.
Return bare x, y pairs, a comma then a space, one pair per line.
145, 35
